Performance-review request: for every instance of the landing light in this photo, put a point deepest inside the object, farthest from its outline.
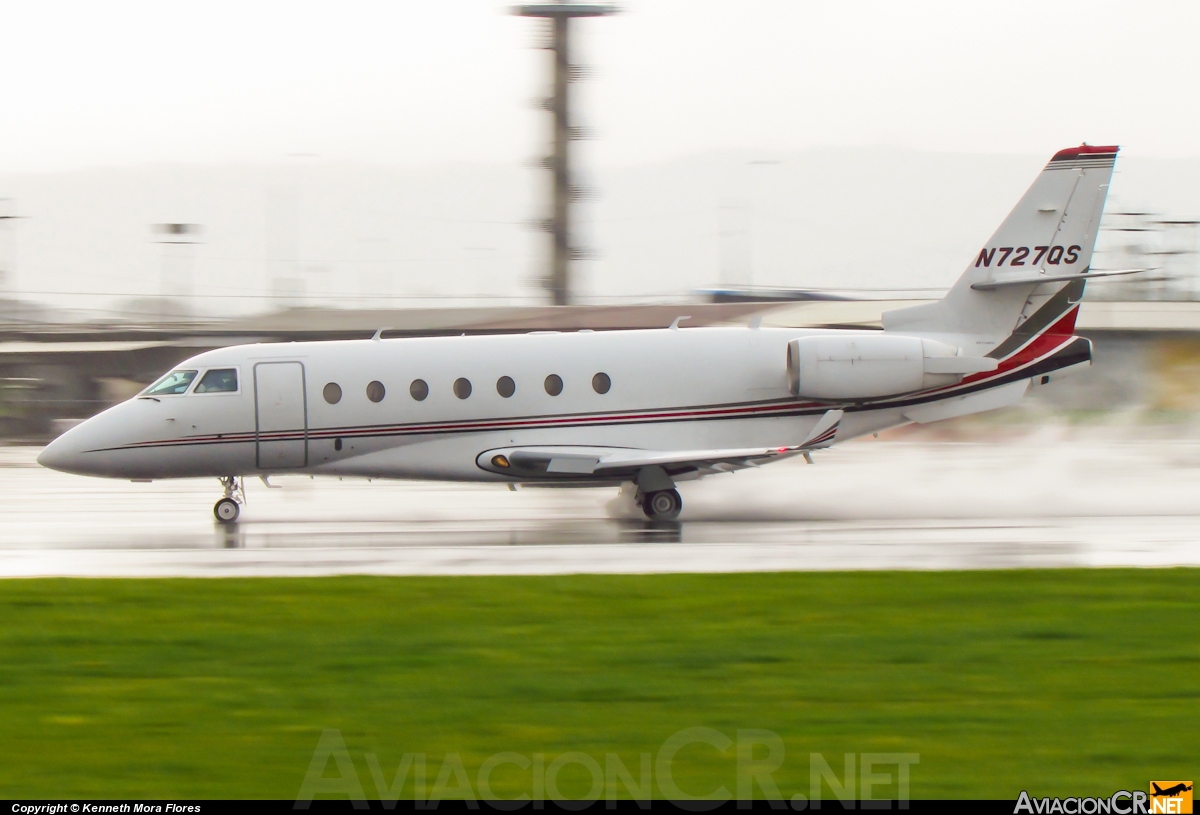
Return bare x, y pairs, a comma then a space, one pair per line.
500, 461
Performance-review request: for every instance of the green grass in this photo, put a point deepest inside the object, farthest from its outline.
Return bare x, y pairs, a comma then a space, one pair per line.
1060, 682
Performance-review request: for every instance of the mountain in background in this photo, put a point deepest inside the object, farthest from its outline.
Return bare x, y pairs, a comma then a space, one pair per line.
340, 234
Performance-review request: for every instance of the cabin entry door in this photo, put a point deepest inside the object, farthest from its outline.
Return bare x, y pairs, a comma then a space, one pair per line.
281, 416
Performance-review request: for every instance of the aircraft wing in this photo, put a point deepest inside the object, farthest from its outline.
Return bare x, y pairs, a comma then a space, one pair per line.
619, 462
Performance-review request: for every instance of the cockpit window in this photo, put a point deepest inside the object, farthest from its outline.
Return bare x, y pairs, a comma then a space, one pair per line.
218, 380
173, 383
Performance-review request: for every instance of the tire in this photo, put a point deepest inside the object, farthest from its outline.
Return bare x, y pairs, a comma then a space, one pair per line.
226, 511
663, 505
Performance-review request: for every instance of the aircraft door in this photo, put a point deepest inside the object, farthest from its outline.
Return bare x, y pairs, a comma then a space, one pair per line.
281, 415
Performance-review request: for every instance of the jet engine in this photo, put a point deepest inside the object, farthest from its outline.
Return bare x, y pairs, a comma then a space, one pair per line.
849, 366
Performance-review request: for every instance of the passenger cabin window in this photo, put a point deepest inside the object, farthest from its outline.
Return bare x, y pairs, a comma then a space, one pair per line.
332, 393
418, 390
505, 386
376, 391
173, 383
218, 380
601, 383
554, 384
462, 388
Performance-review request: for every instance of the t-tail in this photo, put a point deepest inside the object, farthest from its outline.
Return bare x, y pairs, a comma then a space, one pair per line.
1024, 285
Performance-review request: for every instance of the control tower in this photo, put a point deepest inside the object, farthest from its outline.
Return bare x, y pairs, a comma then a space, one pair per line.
560, 15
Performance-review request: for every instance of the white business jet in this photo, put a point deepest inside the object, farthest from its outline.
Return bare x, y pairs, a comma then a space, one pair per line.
649, 408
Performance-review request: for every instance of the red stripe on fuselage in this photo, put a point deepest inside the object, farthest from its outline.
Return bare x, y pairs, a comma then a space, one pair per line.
1053, 337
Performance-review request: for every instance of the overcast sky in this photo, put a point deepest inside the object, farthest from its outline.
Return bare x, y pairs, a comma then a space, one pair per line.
417, 83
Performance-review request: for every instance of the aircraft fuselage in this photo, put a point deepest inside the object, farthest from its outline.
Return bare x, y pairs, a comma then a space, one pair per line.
666, 390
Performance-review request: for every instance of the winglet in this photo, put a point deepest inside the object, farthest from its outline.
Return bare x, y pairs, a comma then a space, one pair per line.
823, 434
379, 334
674, 326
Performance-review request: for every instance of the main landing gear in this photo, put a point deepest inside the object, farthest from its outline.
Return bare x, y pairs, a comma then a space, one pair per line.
657, 495
663, 505
228, 508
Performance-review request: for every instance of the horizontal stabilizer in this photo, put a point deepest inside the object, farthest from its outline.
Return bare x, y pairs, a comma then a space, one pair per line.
992, 285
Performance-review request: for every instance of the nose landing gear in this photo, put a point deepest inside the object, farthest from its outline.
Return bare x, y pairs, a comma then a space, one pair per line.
226, 510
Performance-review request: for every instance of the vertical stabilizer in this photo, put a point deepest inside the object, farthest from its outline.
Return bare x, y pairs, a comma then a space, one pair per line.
1050, 232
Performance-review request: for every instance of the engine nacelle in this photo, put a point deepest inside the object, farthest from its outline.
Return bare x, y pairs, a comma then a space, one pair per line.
874, 365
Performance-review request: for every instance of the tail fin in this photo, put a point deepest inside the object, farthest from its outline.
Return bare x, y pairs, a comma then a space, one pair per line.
1050, 233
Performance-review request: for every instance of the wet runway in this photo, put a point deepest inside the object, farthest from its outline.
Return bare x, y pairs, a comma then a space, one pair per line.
1043, 501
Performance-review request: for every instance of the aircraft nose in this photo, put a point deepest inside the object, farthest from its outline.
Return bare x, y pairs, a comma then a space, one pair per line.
76, 450
62, 454
94, 447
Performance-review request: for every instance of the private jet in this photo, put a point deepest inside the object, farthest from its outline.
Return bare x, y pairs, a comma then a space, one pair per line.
640, 409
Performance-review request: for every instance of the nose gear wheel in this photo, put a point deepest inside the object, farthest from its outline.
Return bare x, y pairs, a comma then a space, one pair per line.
227, 509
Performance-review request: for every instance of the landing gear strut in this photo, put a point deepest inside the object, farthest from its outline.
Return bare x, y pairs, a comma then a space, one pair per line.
228, 508
663, 505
